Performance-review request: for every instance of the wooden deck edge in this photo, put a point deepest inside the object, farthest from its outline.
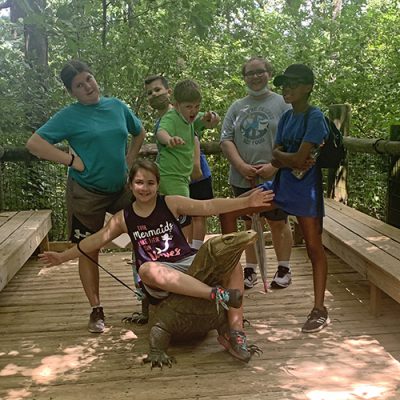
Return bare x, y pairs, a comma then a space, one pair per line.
12, 258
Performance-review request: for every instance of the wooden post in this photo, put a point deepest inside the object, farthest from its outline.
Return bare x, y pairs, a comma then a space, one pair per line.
337, 179
393, 196
375, 300
298, 237
1, 179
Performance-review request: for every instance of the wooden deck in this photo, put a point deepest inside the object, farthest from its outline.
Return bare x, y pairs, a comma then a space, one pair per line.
46, 352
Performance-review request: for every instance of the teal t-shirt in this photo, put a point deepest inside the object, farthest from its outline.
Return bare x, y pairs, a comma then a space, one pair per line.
98, 133
176, 160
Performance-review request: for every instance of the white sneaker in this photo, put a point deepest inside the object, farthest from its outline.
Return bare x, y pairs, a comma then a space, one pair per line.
250, 278
282, 278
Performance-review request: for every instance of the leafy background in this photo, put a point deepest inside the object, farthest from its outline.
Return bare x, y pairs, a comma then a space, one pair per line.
352, 45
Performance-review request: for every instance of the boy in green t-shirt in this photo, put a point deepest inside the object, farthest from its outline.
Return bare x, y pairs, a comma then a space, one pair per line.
176, 140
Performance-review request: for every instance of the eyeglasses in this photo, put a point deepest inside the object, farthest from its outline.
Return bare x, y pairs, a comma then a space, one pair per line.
257, 72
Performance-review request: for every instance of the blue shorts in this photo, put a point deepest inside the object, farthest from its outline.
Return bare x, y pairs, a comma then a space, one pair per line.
276, 214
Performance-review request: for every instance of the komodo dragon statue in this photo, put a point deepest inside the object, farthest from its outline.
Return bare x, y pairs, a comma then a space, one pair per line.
181, 317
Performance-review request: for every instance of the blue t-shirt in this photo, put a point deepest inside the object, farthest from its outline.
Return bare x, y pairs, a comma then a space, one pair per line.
205, 168
98, 134
300, 197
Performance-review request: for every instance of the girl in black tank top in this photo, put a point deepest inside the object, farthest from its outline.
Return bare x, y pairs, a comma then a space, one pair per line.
158, 243
157, 237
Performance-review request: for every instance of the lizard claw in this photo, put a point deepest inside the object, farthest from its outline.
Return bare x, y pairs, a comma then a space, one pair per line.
136, 318
254, 349
159, 358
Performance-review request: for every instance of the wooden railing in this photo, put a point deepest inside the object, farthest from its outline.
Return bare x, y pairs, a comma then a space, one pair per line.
336, 180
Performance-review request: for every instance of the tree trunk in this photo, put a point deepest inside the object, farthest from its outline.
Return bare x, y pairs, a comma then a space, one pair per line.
337, 179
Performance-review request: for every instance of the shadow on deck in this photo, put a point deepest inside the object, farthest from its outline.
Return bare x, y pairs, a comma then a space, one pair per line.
46, 352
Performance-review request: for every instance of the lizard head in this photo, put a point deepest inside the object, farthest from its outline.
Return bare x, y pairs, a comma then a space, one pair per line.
227, 249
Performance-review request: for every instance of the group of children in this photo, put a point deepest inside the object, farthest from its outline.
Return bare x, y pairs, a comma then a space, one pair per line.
180, 186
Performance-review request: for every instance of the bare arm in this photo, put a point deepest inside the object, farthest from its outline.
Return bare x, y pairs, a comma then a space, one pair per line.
45, 150
196, 173
230, 150
167, 140
210, 119
134, 147
180, 205
266, 171
299, 160
115, 227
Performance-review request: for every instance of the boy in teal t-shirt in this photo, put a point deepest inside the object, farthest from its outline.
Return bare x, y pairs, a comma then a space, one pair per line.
176, 140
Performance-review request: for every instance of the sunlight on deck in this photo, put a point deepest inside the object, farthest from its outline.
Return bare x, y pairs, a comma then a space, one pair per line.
46, 352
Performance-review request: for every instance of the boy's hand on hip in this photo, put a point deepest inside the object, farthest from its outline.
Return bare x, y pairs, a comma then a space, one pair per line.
78, 164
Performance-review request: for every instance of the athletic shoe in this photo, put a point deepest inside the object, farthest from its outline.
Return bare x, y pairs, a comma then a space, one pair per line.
96, 320
316, 320
236, 343
226, 297
250, 278
282, 278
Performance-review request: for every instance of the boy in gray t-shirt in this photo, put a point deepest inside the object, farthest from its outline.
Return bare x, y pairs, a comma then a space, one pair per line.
247, 140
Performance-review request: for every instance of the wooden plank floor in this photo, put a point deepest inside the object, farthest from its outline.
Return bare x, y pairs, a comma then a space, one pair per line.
46, 352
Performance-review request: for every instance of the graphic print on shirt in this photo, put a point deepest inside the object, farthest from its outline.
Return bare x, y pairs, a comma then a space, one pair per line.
166, 238
156, 242
255, 125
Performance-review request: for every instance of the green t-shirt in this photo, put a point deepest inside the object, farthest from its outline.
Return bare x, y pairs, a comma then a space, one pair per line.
176, 160
98, 133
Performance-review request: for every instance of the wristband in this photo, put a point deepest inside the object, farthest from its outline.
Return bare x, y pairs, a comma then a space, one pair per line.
72, 160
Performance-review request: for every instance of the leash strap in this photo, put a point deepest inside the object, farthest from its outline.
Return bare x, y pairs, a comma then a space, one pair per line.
138, 294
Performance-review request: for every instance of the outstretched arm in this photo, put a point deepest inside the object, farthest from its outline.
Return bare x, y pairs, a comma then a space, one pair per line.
167, 140
228, 219
115, 227
257, 200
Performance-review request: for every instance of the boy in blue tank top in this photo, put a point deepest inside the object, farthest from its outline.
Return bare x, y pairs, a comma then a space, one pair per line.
298, 185
301, 131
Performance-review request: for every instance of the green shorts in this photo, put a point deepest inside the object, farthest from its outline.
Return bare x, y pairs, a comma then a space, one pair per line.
174, 185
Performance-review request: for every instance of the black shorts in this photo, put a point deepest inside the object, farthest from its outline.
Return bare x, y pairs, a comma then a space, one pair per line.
201, 190
86, 209
274, 215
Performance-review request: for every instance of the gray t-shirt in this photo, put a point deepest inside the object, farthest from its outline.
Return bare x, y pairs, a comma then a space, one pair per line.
251, 124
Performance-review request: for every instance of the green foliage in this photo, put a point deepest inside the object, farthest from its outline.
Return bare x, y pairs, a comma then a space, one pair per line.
353, 51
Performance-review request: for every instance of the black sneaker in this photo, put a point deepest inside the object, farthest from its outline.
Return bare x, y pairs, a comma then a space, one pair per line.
96, 320
282, 278
226, 297
249, 278
316, 320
